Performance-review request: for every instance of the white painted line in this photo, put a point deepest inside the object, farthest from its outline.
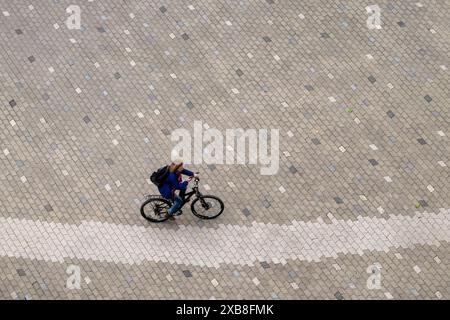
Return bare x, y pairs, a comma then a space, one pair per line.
227, 244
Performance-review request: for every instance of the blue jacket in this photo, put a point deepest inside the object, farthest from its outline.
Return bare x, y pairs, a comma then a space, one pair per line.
173, 183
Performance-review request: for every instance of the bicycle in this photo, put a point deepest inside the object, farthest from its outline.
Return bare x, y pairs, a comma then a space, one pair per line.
158, 206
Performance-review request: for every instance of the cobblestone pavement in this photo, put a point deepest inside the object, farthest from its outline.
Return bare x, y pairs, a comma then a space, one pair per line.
359, 208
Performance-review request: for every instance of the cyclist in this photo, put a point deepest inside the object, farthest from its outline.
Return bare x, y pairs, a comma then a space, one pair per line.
174, 182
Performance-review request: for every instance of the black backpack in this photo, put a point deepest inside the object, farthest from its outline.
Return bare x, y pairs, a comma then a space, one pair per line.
160, 176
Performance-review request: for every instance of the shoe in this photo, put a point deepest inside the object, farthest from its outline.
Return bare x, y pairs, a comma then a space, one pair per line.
172, 216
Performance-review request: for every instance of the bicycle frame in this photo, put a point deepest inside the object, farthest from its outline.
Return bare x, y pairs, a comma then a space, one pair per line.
188, 195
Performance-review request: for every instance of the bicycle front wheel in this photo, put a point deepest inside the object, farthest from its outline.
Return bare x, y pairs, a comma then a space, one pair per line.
207, 207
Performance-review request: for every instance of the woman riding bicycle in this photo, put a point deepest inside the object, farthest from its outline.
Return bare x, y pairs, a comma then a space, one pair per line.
175, 182
169, 180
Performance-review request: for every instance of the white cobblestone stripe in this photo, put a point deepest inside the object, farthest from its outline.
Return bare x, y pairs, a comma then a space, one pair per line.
229, 244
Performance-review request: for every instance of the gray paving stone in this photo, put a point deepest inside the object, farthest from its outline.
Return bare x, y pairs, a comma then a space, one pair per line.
88, 114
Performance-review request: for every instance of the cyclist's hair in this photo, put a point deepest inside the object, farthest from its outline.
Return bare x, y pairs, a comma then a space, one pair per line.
176, 164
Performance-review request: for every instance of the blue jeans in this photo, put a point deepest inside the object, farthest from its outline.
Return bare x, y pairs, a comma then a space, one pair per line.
177, 202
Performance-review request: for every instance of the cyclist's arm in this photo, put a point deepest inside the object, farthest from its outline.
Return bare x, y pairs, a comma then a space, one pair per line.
187, 172
182, 185
175, 184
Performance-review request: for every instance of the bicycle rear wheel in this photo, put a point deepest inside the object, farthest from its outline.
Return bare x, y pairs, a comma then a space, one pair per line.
156, 209
207, 207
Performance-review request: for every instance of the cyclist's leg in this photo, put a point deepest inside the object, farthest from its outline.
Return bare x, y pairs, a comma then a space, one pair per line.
182, 193
178, 201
